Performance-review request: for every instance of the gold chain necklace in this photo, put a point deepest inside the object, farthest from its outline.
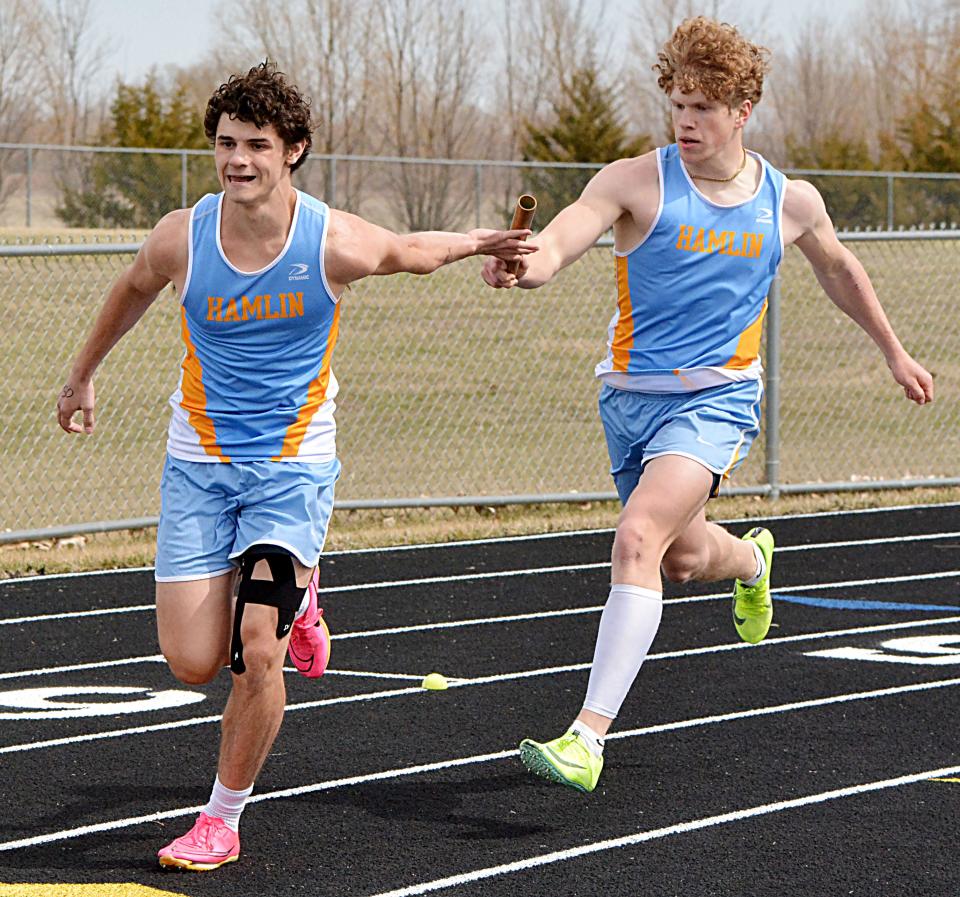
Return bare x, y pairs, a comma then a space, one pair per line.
743, 164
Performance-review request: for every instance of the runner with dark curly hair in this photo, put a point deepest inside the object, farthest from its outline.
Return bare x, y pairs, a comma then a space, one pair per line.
247, 489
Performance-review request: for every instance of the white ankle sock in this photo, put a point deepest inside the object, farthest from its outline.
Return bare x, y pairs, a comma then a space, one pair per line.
226, 803
761, 567
628, 624
593, 741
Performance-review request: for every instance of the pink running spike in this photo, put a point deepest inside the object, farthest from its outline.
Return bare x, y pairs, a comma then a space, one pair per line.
309, 647
208, 845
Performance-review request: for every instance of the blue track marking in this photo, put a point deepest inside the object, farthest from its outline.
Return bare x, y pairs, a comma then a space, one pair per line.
860, 604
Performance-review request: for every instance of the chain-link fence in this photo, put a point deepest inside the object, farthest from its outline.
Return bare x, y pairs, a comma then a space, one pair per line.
49, 187
451, 389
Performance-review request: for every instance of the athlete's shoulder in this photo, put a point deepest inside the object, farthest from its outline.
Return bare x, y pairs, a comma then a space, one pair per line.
644, 165
626, 176
165, 249
802, 203
343, 228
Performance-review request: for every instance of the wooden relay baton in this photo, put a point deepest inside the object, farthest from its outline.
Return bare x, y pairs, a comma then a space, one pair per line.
522, 219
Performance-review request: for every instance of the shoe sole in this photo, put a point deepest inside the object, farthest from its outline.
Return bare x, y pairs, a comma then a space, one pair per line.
190, 866
535, 762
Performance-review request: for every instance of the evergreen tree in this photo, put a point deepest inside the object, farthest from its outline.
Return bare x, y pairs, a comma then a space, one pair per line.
585, 128
928, 139
131, 189
852, 202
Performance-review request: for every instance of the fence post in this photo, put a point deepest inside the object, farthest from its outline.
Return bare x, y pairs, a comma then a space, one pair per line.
29, 185
183, 180
331, 197
478, 191
890, 217
773, 390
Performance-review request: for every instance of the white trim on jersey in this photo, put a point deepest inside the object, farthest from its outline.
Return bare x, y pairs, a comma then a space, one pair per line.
720, 205
276, 261
689, 380
323, 270
181, 435
779, 222
656, 218
189, 274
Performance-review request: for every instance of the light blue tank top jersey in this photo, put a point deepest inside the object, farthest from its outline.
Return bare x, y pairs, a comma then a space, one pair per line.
692, 294
256, 382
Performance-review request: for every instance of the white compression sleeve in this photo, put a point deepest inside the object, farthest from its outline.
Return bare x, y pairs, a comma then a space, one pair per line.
628, 624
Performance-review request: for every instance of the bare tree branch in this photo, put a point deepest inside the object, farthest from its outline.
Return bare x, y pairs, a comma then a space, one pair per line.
72, 57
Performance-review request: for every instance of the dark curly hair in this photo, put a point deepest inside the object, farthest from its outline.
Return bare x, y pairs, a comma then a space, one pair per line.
715, 58
262, 97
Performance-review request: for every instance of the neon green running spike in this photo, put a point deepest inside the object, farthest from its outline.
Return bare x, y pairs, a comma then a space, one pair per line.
752, 605
566, 760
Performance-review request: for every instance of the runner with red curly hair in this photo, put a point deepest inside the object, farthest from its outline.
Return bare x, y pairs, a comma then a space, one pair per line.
699, 231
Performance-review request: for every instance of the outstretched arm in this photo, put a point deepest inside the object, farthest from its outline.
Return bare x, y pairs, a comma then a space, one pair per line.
845, 281
128, 299
356, 248
569, 235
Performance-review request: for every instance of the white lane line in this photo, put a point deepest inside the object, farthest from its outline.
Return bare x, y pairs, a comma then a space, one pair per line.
538, 571
541, 615
74, 667
474, 621
680, 828
486, 758
461, 682
159, 658
846, 584
463, 577
711, 649
13, 580
738, 521
857, 543
597, 608
786, 708
202, 720
945, 574
67, 615
361, 674
733, 521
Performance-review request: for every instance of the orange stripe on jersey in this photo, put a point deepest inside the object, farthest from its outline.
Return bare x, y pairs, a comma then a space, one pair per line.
748, 347
623, 333
316, 394
194, 400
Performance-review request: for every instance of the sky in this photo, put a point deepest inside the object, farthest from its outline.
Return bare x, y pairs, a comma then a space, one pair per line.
148, 33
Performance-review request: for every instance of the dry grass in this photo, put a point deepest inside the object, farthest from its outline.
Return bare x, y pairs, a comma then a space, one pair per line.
371, 529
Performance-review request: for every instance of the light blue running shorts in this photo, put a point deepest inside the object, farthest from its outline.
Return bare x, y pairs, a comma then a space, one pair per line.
211, 513
714, 426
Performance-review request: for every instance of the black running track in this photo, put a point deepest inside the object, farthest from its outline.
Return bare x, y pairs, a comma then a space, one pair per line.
825, 761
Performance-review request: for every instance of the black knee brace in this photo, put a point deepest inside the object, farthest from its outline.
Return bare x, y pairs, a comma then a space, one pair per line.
281, 592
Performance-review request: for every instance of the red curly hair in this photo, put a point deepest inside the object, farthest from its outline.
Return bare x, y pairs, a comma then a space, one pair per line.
713, 57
